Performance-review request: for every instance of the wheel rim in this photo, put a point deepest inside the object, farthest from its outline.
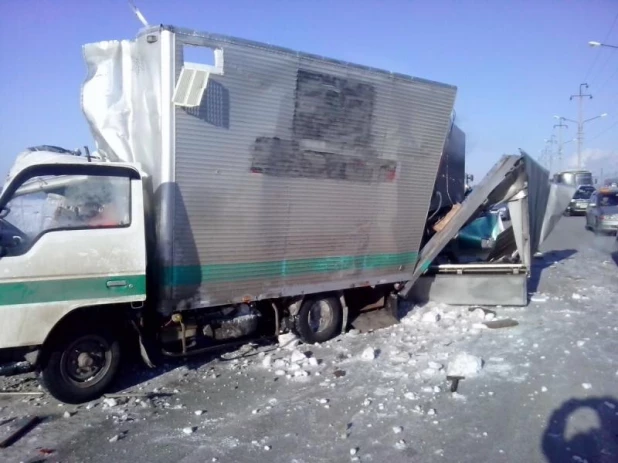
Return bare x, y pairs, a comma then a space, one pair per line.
320, 316
86, 361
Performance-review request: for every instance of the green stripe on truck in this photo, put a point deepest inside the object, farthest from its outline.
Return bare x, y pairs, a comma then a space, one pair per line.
41, 291
217, 273
32, 292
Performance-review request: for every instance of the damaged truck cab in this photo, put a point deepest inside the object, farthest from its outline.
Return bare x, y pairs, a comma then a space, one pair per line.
73, 262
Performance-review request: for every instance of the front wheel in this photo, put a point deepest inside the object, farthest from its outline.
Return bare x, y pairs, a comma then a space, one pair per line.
319, 319
81, 363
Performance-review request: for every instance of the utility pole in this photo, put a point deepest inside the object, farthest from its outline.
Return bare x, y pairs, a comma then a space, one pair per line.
580, 123
560, 125
550, 141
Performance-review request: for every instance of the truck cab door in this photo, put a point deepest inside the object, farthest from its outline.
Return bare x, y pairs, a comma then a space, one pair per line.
71, 236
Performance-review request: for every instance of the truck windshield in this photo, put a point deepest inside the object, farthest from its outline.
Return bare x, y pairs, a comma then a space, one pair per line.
584, 178
63, 202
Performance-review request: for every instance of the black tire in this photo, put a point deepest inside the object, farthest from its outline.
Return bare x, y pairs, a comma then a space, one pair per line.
327, 328
96, 347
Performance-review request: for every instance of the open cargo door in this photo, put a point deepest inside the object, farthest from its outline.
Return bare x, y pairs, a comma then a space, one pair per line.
500, 278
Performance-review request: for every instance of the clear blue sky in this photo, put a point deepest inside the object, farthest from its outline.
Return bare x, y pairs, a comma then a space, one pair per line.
515, 62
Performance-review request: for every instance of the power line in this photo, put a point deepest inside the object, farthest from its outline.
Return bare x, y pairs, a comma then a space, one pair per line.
598, 53
604, 131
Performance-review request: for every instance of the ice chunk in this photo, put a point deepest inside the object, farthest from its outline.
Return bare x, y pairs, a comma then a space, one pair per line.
189, 430
465, 365
435, 365
288, 340
539, 298
369, 354
397, 429
110, 402
586, 385
430, 317
297, 356
280, 363
401, 445
267, 361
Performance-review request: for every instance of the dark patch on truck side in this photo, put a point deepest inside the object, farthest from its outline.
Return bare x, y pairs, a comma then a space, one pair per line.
333, 109
331, 134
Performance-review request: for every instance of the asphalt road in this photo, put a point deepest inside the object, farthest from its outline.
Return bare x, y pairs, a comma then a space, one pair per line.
547, 394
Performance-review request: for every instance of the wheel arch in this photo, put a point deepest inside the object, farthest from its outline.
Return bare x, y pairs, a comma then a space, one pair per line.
114, 315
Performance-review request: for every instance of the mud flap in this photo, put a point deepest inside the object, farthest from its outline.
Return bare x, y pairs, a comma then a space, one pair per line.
378, 318
142, 346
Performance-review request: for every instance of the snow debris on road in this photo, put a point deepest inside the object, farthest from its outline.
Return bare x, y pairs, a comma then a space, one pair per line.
401, 445
369, 354
109, 402
465, 365
288, 341
538, 297
358, 388
297, 356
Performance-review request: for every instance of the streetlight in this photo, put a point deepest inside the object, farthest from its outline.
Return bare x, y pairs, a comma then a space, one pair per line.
580, 132
592, 43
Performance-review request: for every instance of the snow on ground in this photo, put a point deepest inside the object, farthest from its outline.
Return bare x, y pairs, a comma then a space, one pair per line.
544, 390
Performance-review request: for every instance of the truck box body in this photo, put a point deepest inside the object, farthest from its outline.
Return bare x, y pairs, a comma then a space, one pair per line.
295, 174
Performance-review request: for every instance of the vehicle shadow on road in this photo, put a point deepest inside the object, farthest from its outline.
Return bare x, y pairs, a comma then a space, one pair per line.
539, 264
135, 373
563, 439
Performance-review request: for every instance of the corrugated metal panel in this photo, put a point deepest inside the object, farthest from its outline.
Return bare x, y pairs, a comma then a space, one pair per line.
245, 226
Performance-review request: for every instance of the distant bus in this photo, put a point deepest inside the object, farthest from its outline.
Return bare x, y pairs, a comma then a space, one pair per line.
574, 178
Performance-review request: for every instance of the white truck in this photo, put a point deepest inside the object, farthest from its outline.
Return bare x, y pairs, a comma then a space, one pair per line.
264, 191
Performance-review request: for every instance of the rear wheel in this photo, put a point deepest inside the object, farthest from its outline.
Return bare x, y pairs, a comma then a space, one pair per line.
319, 319
81, 363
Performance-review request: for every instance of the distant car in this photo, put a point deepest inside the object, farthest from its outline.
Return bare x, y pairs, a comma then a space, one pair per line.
579, 203
602, 211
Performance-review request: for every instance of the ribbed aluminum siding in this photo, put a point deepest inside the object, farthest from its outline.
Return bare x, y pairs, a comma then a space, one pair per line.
243, 234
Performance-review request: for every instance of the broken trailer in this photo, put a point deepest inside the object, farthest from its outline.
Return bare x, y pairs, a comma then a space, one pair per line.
257, 192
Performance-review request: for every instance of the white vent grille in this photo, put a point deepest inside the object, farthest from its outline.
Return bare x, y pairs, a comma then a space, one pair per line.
190, 86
